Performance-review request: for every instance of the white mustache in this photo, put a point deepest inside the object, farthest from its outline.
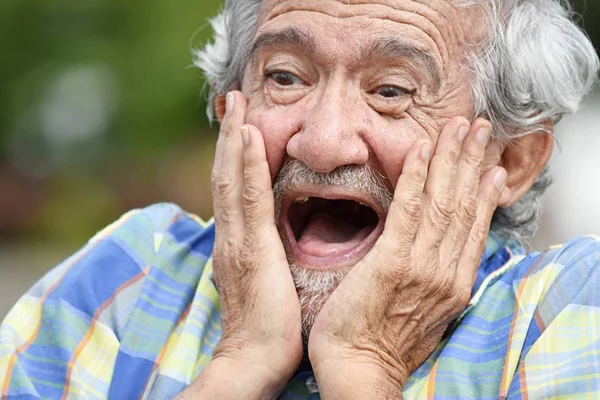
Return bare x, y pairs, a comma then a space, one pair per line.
360, 178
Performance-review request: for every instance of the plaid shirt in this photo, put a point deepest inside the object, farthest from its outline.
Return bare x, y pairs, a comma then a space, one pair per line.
135, 315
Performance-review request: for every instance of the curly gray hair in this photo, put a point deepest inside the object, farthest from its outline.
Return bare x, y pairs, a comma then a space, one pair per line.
536, 66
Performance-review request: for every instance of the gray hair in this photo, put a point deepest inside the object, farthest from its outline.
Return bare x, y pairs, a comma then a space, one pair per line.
536, 66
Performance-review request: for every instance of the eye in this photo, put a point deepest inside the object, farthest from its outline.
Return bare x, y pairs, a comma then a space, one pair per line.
390, 92
284, 78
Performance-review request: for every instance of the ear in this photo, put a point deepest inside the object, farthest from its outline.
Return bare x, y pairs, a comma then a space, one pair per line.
524, 158
220, 107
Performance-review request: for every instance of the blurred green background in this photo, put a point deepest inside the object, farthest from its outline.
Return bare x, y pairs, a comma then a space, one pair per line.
100, 112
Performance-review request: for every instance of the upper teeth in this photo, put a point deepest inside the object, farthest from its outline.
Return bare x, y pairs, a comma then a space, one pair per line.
301, 199
363, 204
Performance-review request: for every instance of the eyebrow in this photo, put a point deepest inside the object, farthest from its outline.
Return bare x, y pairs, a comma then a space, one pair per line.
395, 48
291, 37
383, 47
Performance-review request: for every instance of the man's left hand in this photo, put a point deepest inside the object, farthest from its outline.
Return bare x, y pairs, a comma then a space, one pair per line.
391, 310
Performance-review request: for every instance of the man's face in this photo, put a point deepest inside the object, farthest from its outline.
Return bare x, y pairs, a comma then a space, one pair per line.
340, 91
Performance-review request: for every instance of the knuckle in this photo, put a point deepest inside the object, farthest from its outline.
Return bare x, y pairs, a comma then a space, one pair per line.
429, 280
247, 259
224, 216
245, 255
467, 210
473, 160
227, 130
441, 208
479, 233
452, 293
222, 184
229, 247
418, 176
453, 155
253, 196
441, 285
456, 237
411, 209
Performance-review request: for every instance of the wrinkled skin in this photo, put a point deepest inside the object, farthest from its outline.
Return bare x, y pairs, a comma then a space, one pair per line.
338, 102
406, 114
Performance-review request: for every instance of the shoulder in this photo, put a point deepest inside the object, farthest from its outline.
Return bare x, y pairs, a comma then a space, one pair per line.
557, 275
555, 326
126, 249
139, 274
153, 229
113, 267
568, 264
154, 241
581, 248
158, 238
149, 227
564, 277
145, 236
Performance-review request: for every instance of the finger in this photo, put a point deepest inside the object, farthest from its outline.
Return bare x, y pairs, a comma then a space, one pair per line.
492, 184
258, 203
467, 190
405, 211
440, 189
227, 174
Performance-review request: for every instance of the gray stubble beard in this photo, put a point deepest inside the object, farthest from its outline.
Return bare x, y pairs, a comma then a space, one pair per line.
314, 287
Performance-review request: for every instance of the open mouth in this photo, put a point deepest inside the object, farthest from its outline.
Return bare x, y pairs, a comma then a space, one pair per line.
330, 230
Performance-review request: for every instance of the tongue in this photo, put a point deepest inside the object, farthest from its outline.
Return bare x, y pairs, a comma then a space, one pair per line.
325, 235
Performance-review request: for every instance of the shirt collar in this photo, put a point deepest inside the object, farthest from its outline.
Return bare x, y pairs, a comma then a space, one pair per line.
498, 251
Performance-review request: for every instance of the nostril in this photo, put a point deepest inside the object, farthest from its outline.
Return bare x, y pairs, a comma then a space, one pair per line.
324, 152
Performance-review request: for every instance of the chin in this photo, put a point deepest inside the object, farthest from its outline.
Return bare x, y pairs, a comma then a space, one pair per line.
314, 288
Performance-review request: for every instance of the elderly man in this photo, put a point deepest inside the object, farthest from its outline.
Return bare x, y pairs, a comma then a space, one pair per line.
366, 149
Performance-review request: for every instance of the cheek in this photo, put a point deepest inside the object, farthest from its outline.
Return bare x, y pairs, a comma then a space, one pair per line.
277, 124
391, 143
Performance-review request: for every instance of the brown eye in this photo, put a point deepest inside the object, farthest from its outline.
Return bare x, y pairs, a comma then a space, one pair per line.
390, 92
283, 78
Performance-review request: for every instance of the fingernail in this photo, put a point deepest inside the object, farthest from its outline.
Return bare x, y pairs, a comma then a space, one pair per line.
500, 179
483, 135
245, 135
229, 102
426, 152
462, 133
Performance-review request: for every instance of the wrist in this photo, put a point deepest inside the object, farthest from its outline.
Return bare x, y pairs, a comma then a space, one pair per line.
225, 378
355, 381
272, 363
351, 379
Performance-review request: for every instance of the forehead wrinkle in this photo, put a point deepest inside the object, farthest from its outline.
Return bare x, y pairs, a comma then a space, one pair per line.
413, 14
395, 48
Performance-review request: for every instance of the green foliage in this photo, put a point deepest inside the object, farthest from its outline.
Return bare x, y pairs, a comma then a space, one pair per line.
95, 97
144, 46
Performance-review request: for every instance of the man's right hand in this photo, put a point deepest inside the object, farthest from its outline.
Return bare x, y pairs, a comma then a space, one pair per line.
261, 346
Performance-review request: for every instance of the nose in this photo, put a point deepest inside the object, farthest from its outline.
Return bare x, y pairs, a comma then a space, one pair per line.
333, 132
